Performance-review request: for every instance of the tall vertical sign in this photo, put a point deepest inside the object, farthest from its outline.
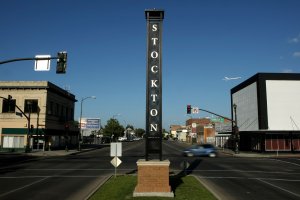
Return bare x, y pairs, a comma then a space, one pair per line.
154, 83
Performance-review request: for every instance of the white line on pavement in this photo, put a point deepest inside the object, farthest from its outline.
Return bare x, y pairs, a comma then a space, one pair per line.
286, 162
295, 194
55, 176
25, 186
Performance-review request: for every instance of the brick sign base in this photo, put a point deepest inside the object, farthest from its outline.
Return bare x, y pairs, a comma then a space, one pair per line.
153, 179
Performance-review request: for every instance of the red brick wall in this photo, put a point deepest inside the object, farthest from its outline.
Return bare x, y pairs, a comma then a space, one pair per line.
153, 178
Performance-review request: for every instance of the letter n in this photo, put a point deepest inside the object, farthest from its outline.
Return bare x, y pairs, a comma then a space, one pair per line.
153, 127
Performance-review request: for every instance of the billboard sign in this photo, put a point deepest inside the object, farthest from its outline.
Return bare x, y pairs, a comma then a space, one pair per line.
90, 123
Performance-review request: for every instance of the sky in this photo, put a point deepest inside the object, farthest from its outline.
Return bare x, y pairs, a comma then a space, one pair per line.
203, 41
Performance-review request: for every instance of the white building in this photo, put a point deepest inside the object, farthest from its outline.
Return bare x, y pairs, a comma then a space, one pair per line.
268, 112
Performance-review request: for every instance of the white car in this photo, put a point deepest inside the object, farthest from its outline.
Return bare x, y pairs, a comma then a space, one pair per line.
120, 139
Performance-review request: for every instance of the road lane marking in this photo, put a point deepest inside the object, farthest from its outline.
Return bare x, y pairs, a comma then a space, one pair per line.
54, 176
233, 170
60, 169
25, 186
239, 177
286, 162
280, 188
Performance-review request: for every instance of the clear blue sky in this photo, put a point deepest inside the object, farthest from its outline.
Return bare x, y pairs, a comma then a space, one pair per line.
203, 41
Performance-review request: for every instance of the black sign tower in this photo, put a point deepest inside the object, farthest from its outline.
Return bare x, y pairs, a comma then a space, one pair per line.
154, 19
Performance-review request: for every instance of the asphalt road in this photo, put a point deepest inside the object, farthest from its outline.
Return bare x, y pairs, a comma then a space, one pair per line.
76, 176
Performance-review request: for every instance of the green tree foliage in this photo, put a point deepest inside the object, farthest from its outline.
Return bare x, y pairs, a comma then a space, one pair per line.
113, 128
129, 126
139, 132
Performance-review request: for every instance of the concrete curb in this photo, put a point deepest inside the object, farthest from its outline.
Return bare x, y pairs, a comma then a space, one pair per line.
97, 187
207, 187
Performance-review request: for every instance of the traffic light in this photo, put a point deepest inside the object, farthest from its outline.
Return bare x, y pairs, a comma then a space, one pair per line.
188, 109
61, 62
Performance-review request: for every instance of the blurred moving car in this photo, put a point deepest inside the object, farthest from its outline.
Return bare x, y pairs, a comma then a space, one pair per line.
201, 150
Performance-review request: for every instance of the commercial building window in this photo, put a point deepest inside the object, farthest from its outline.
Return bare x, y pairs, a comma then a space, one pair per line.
50, 108
13, 142
31, 105
72, 114
8, 106
62, 114
67, 113
57, 110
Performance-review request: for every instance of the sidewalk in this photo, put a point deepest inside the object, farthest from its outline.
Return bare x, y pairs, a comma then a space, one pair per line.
63, 152
54, 153
260, 155
59, 152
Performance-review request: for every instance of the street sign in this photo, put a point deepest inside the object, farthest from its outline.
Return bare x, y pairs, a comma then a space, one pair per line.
115, 149
116, 161
195, 110
42, 65
218, 119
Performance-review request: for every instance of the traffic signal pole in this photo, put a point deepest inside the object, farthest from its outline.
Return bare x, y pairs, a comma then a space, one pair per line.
217, 115
22, 59
61, 61
235, 129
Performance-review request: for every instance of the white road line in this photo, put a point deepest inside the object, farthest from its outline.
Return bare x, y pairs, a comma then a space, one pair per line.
264, 172
286, 162
236, 177
51, 169
295, 194
55, 176
25, 186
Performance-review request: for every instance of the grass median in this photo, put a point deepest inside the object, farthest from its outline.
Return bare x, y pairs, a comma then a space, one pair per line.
122, 187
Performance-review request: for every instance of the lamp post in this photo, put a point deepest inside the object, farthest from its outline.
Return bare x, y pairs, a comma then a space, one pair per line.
236, 130
79, 135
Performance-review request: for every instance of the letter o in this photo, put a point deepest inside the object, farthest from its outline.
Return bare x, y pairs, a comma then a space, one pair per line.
154, 54
153, 112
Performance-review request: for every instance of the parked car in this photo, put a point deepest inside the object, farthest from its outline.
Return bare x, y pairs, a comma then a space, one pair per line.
201, 150
122, 139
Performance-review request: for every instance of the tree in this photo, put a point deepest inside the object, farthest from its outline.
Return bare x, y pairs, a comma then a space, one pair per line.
113, 129
139, 132
129, 126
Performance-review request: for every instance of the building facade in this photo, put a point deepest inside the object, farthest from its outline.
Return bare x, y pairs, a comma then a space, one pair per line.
268, 112
36, 114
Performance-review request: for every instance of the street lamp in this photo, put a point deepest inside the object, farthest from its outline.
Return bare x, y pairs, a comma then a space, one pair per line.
79, 135
236, 130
